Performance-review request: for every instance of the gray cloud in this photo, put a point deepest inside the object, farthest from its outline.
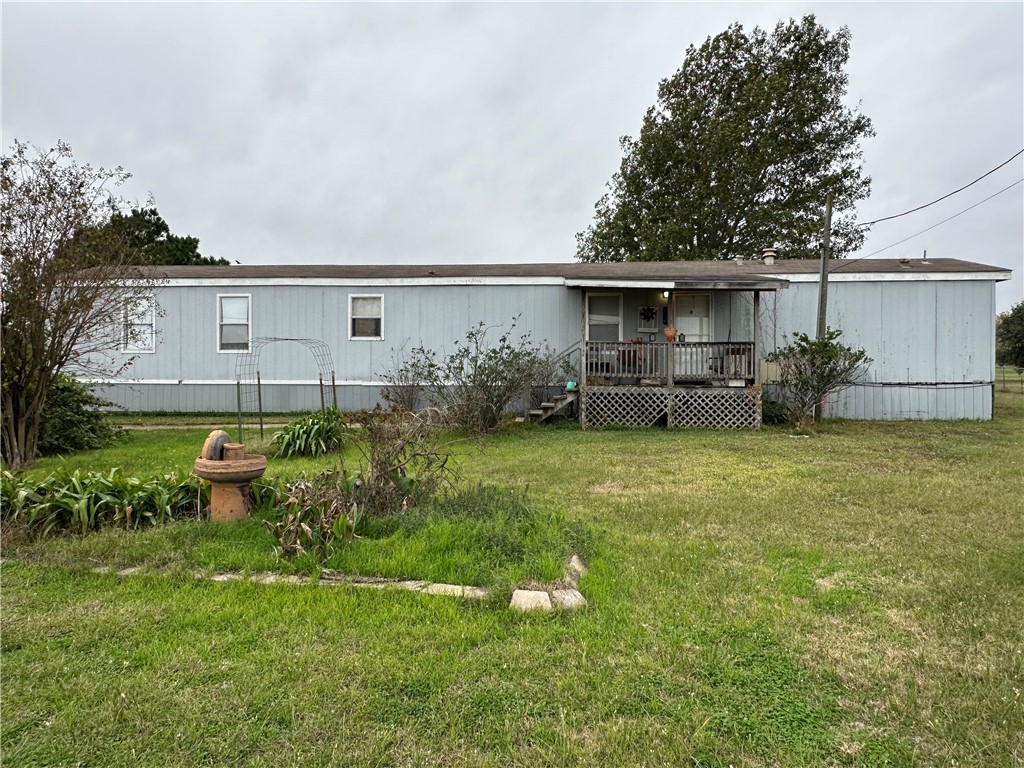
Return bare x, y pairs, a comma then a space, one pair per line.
459, 133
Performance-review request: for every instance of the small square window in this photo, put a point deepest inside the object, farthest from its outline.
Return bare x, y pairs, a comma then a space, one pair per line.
365, 315
138, 325
234, 327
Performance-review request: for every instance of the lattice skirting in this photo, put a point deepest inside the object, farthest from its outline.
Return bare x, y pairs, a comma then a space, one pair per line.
714, 407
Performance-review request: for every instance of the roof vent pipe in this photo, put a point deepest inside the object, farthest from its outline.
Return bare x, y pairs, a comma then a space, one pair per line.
769, 256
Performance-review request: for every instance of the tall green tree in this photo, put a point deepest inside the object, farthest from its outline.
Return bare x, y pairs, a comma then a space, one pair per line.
738, 154
1010, 337
145, 232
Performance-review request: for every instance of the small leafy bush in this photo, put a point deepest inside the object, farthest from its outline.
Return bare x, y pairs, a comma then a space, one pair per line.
72, 420
82, 502
314, 435
810, 369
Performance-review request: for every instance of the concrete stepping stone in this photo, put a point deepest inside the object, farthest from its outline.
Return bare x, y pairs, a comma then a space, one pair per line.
575, 570
568, 599
530, 600
454, 590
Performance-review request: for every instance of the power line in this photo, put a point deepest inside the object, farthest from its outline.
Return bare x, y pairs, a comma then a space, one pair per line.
939, 200
933, 226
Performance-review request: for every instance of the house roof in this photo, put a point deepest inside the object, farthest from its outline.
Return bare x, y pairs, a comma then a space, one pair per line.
745, 275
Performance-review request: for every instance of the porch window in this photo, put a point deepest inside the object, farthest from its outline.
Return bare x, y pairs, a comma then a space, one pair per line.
138, 325
604, 317
365, 316
234, 322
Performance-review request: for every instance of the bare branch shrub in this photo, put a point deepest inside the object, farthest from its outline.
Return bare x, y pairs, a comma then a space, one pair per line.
404, 461
479, 381
66, 283
404, 382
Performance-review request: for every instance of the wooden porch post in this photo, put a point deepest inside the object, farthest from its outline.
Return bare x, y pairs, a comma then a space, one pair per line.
670, 366
757, 337
581, 385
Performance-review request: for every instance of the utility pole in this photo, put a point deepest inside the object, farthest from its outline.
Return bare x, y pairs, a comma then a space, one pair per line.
826, 241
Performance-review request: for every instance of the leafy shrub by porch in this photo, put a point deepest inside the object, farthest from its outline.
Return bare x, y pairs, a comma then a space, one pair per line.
810, 368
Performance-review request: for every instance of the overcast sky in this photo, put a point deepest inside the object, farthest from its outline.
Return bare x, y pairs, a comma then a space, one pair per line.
433, 133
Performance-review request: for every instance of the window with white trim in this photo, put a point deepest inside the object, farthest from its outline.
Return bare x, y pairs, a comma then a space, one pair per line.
138, 325
365, 317
604, 317
234, 322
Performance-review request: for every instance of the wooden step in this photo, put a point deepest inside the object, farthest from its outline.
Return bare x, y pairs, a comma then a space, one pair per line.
547, 405
536, 413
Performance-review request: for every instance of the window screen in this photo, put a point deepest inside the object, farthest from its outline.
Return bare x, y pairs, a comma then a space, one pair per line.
234, 323
366, 317
603, 318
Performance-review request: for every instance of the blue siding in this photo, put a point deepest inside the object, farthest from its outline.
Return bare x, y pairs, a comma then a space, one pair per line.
932, 344
920, 334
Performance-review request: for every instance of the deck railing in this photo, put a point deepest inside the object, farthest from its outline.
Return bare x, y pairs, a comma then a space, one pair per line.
676, 361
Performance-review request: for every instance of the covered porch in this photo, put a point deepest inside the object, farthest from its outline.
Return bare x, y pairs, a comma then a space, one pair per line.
672, 353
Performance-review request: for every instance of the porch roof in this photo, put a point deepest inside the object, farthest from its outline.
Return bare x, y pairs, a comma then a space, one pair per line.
707, 283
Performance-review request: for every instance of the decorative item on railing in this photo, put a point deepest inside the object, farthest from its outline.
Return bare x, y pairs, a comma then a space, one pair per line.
671, 332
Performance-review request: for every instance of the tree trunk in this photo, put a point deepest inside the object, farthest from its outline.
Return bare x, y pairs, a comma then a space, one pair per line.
20, 433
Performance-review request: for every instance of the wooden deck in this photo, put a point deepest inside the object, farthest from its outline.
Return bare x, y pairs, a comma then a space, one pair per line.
685, 384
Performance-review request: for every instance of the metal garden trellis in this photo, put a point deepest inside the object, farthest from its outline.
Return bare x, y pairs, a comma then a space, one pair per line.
249, 384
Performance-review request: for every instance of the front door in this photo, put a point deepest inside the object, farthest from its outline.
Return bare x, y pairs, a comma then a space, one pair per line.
693, 316
693, 320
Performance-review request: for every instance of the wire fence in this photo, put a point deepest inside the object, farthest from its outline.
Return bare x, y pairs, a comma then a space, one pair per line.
1010, 379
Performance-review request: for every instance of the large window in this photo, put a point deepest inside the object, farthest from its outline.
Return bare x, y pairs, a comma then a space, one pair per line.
234, 322
604, 317
365, 314
138, 325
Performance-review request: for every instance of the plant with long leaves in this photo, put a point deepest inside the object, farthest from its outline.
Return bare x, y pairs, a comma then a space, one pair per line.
85, 501
317, 434
321, 514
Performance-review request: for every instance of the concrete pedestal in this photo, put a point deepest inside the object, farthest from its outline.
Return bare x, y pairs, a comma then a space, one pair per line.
227, 502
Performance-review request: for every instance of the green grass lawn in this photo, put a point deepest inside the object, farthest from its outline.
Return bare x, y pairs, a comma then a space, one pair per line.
850, 598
